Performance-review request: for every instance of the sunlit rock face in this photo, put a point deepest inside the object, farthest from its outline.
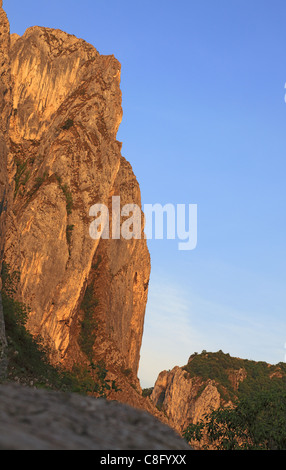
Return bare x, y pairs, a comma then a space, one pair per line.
65, 111
5, 193
181, 398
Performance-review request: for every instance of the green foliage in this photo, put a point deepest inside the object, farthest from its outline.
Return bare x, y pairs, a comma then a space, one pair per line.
9, 280
257, 422
89, 325
260, 403
89, 380
261, 377
22, 174
146, 392
102, 385
68, 196
28, 358
216, 366
67, 193
212, 366
80, 380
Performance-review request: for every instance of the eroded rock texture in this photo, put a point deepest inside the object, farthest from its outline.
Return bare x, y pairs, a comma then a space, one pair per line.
63, 120
5, 197
184, 399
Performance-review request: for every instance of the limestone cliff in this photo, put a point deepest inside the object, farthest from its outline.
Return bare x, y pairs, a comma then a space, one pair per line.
86, 297
5, 108
184, 399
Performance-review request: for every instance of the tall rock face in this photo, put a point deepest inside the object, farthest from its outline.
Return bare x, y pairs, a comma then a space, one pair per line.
5, 109
210, 381
5, 196
184, 399
66, 111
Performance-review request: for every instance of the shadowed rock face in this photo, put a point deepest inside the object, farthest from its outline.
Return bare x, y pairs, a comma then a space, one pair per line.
65, 110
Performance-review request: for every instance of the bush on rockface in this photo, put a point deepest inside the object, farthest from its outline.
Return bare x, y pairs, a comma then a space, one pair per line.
256, 422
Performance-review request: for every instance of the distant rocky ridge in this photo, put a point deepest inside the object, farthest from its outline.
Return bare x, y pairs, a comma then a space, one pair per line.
178, 395
208, 381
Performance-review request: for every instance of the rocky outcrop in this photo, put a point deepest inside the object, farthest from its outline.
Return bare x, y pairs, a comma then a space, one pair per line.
61, 109
5, 108
41, 420
184, 399
210, 381
236, 377
62, 130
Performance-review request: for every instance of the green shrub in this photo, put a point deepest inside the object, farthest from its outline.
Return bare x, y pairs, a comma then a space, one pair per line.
146, 392
27, 356
22, 175
68, 196
67, 193
257, 422
216, 366
102, 385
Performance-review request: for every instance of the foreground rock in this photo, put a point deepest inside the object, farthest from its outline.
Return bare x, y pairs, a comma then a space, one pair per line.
42, 420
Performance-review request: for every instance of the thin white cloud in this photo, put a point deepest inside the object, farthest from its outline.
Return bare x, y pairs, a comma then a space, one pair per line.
179, 323
168, 335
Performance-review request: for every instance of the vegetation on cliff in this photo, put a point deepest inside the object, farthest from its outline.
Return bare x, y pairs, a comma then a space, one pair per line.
256, 422
221, 368
29, 358
253, 410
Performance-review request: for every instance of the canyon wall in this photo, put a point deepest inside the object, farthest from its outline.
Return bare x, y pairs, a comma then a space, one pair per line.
5, 109
61, 110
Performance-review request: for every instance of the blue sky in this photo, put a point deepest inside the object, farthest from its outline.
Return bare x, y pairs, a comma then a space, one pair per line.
204, 123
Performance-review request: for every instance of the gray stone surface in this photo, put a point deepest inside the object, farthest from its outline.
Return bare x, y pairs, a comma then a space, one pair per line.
42, 420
